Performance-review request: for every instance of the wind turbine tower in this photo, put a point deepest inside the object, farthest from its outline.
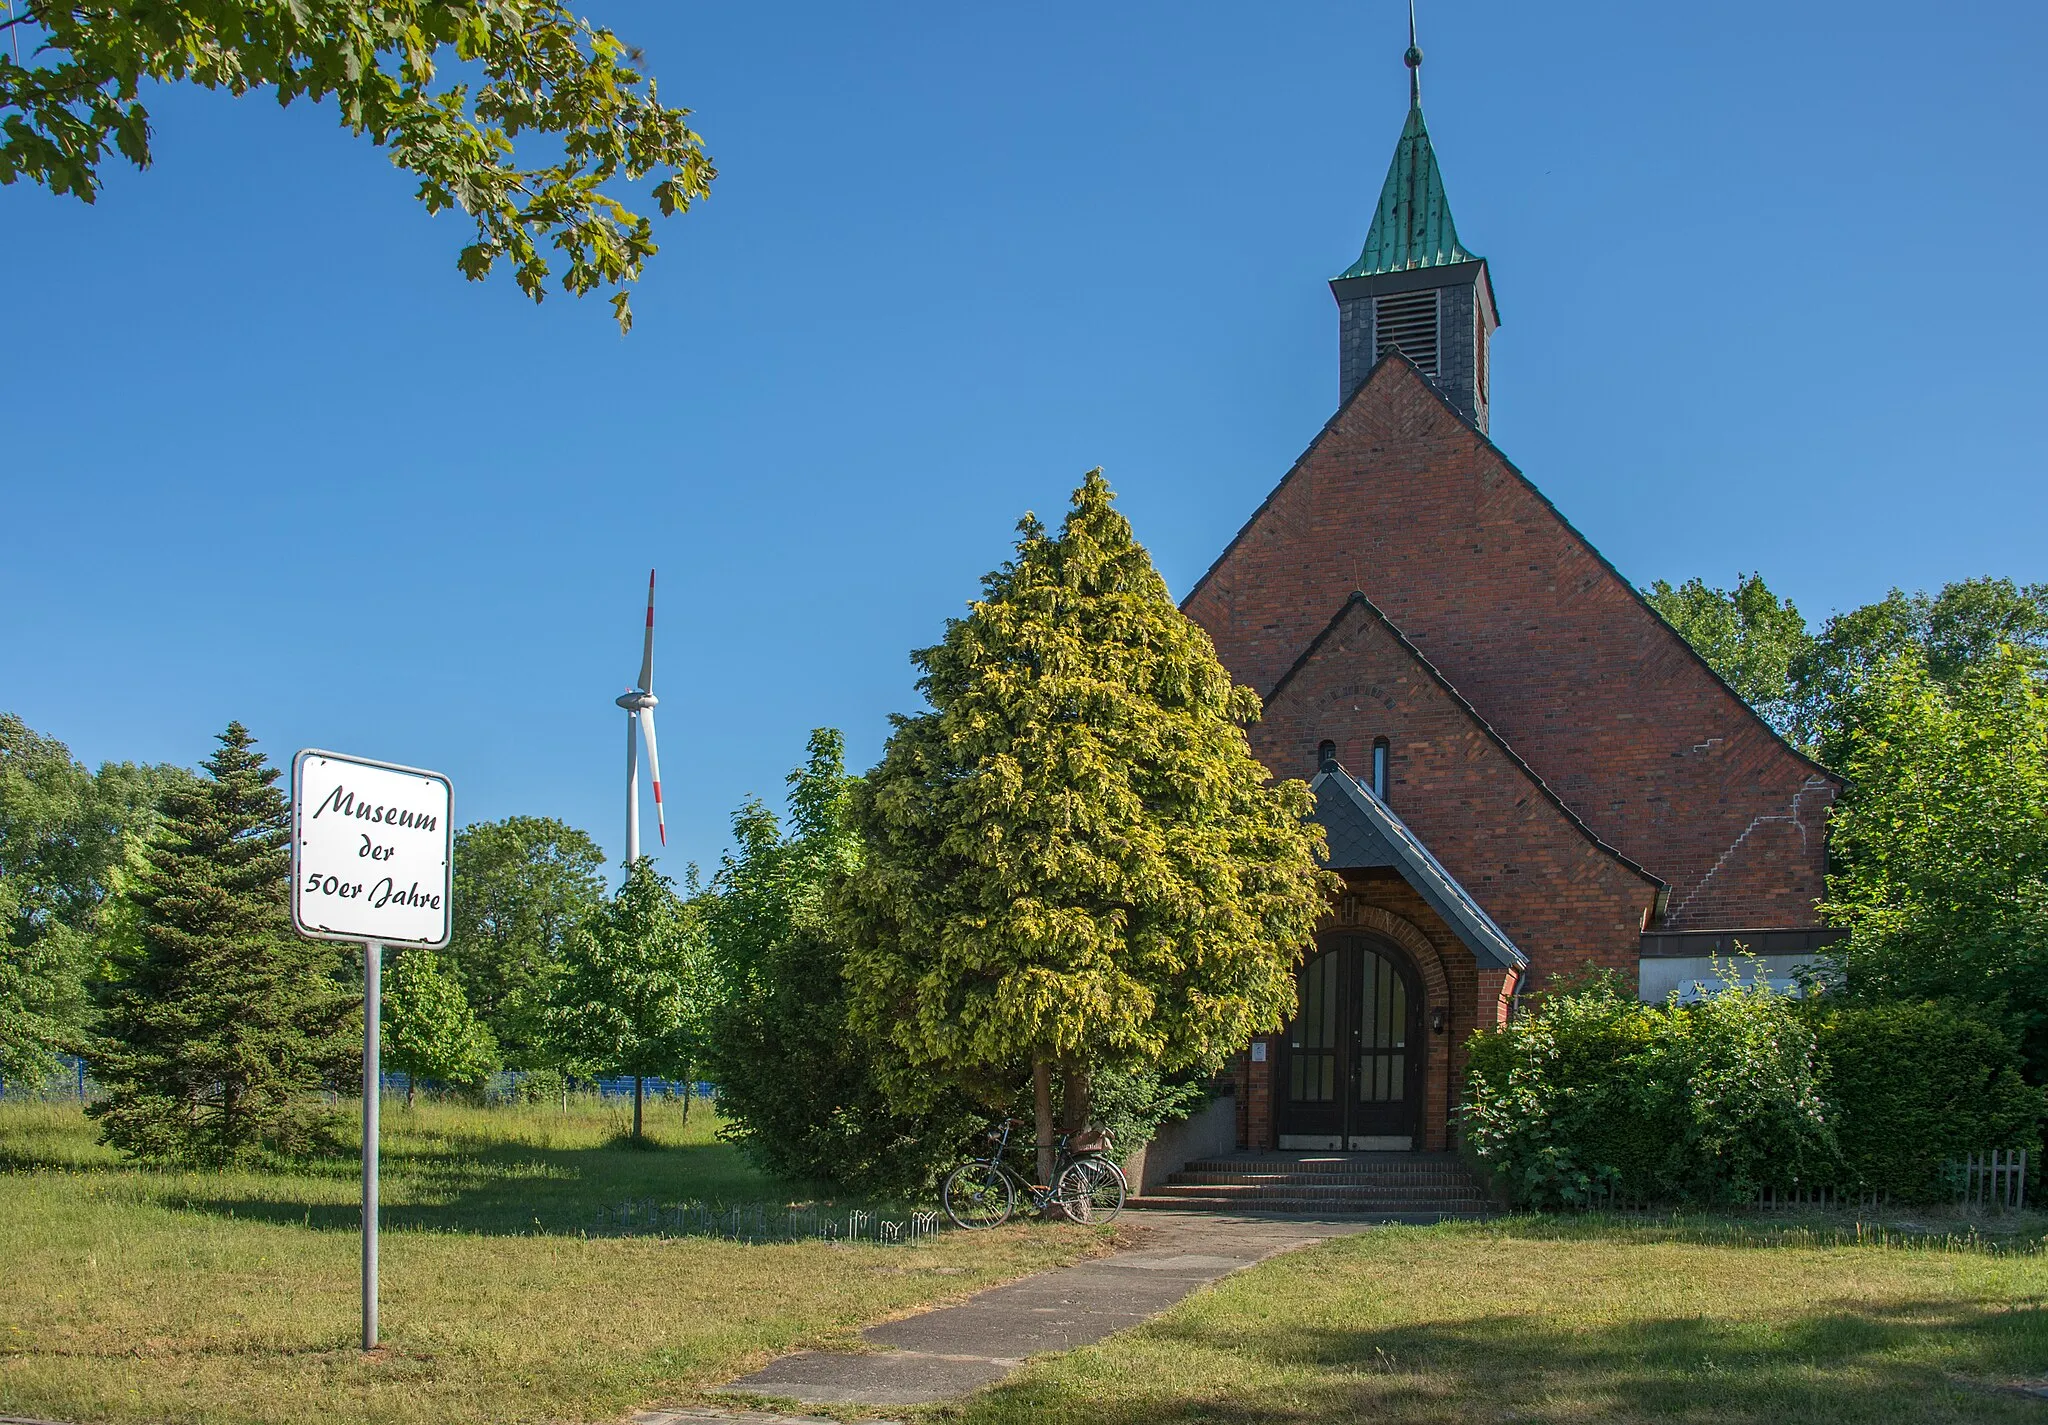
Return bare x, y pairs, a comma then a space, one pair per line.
639, 705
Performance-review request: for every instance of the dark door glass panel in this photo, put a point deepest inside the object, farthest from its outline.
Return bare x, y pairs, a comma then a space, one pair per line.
1382, 1031
1318, 1030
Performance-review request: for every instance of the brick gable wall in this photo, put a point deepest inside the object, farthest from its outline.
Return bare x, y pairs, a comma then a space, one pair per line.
1561, 897
1401, 499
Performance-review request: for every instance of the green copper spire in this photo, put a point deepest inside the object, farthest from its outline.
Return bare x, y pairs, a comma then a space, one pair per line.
1413, 226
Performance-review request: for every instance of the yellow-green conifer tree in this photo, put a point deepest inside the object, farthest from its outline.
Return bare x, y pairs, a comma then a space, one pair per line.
1073, 861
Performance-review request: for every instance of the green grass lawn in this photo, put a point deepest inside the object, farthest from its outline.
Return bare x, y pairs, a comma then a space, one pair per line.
130, 1295
1582, 1321
134, 1295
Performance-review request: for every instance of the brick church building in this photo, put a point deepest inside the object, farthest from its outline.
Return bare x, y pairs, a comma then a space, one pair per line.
1520, 767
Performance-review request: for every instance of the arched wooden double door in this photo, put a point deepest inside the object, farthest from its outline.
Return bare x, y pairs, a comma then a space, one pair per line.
1350, 1070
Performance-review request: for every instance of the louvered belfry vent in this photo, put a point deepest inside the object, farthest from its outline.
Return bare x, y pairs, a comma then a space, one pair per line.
1415, 288
1407, 322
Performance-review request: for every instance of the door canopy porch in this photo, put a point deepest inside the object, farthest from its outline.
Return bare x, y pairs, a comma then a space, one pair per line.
1364, 834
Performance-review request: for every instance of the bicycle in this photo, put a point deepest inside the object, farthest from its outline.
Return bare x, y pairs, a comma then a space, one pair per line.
1087, 1185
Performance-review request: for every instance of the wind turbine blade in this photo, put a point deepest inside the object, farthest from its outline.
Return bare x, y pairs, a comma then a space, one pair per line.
647, 653
654, 770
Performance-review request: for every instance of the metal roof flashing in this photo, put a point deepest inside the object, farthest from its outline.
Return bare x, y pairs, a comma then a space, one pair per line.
1364, 832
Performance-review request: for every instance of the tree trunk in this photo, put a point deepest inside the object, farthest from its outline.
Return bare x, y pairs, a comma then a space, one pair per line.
1041, 1101
408, 1092
639, 1091
689, 1092
1076, 1098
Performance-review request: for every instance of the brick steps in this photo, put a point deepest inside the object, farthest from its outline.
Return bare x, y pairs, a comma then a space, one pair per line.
1287, 1207
1324, 1180
1365, 1192
1428, 1187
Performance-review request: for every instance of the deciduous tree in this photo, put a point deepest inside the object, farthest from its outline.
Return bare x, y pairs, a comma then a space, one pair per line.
634, 986
797, 1085
1941, 851
429, 1029
520, 885
1073, 860
1806, 685
450, 87
1747, 634
1968, 625
69, 841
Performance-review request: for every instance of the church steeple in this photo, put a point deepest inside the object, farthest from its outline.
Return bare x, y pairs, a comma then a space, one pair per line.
1415, 288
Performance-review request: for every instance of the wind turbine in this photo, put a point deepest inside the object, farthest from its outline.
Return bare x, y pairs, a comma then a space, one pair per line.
639, 706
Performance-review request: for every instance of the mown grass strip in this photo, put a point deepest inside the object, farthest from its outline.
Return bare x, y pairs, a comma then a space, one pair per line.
1580, 1320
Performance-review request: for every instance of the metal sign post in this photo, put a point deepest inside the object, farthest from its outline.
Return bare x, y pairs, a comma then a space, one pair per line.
372, 861
373, 1076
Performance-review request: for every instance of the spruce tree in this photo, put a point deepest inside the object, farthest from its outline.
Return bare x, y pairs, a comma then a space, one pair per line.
1073, 862
222, 1026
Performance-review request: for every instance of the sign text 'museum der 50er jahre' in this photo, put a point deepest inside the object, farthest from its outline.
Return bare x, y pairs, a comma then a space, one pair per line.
370, 850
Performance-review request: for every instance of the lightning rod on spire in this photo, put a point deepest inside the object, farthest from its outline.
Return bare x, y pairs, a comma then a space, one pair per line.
1413, 59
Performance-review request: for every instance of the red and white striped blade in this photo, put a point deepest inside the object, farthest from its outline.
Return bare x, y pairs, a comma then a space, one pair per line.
647, 652
654, 769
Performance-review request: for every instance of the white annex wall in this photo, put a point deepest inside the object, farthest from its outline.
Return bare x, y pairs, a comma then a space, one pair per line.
1694, 977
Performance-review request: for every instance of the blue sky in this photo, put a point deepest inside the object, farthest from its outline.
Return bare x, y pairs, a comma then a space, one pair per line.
1767, 278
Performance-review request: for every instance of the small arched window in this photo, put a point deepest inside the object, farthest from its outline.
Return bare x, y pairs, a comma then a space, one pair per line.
1379, 767
1326, 756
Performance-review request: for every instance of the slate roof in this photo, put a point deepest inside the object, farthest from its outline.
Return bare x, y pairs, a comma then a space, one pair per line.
1364, 832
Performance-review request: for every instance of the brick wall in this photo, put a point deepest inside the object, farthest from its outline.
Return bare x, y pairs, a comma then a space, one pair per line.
1560, 896
1401, 499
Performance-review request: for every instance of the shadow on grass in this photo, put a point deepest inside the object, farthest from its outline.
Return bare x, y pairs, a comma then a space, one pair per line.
499, 1188
468, 1176
1943, 1228
1905, 1361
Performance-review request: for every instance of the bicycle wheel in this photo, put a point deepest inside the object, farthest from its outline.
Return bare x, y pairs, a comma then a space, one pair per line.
978, 1195
1090, 1190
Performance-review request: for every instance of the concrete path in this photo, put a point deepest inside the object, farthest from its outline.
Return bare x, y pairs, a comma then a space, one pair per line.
699, 1414
949, 1352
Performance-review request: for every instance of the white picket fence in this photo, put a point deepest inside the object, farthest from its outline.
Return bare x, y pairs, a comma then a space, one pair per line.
763, 1223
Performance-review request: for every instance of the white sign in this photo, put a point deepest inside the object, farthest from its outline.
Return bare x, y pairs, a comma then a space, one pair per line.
371, 850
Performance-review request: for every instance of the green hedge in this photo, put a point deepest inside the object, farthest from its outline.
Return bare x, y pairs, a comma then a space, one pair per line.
1916, 1086
1593, 1098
